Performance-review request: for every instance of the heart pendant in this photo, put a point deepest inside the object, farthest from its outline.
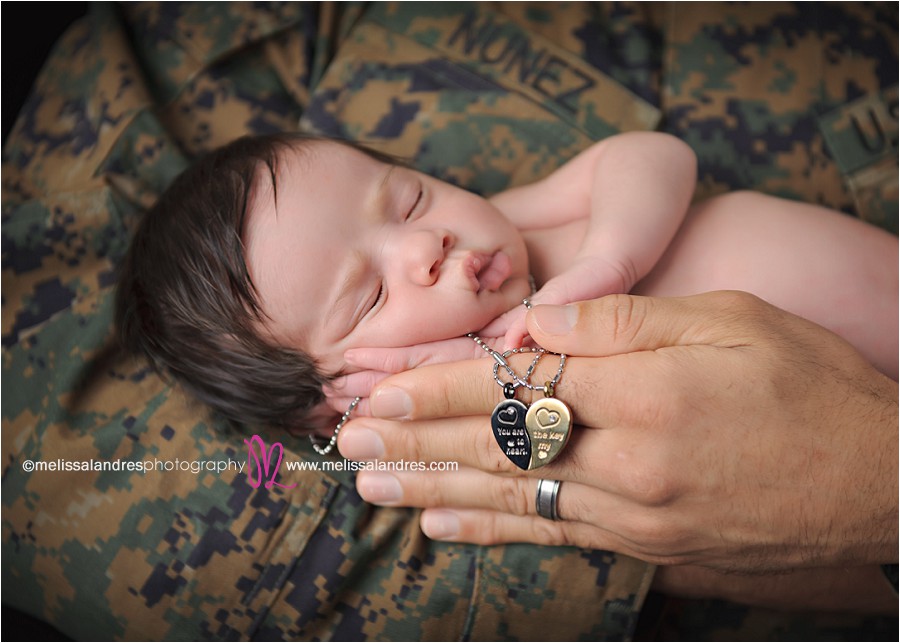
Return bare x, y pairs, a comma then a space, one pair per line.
547, 424
508, 423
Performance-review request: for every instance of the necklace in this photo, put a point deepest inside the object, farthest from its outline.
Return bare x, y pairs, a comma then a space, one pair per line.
529, 436
327, 448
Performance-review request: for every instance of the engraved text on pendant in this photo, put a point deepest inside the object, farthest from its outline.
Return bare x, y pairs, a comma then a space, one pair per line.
548, 423
508, 424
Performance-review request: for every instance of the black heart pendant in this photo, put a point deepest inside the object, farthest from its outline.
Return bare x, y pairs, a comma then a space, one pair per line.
508, 423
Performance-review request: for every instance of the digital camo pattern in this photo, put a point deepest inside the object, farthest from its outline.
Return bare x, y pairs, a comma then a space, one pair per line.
183, 556
768, 95
793, 99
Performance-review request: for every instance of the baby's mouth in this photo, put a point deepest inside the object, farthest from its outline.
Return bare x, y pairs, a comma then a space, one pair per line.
488, 271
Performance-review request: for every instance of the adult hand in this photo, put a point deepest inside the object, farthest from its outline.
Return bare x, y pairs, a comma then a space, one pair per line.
713, 430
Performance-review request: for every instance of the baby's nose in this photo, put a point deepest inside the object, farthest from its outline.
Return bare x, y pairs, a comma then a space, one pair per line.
425, 255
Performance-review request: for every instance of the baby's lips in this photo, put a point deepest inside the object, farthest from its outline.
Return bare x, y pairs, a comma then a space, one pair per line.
472, 264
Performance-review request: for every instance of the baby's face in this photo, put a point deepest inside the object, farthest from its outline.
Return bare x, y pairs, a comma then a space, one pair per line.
357, 253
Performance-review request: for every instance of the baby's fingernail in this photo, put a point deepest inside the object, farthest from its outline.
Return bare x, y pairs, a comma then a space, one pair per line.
358, 443
440, 525
379, 488
391, 403
555, 320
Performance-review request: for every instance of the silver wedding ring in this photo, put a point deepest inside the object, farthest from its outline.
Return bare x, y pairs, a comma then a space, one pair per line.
547, 499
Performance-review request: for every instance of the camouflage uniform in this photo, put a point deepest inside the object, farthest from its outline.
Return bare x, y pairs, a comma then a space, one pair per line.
798, 100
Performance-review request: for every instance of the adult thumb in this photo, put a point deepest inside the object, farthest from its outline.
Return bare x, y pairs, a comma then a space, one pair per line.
618, 324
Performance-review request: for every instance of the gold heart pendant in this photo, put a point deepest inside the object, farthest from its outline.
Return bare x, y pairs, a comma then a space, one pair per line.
548, 424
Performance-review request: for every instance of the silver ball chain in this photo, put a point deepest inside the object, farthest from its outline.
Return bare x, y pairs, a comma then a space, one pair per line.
325, 450
515, 381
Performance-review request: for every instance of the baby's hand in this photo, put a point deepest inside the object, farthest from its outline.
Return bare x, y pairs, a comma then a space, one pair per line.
589, 277
378, 363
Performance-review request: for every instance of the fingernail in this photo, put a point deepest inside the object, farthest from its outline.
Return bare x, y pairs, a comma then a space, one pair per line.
555, 320
379, 488
391, 403
358, 443
440, 524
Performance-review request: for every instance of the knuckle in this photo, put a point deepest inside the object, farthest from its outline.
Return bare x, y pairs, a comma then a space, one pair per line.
742, 306
411, 443
492, 529
548, 532
623, 317
650, 485
575, 507
750, 320
486, 390
427, 491
656, 406
486, 455
736, 299
511, 495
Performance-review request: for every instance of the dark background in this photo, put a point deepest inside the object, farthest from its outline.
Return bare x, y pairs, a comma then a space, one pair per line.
29, 31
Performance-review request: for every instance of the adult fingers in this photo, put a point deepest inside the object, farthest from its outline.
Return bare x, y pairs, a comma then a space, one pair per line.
417, 485
618, 462
627, 323
474, 506
487, 527
601, 393
467, 441
463, 487
439, 391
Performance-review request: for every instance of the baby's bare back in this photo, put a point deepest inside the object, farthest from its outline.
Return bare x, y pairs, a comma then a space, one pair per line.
822, 265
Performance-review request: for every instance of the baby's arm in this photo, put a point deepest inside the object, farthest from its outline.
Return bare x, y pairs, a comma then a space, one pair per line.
633, 189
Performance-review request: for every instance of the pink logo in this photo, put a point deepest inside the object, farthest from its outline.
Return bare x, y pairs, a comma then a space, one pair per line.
255, 447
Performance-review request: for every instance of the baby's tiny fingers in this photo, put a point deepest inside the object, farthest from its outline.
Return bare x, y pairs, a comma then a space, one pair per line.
404, 358
516, 335
386, 360
341, 404
354, 385
500, 326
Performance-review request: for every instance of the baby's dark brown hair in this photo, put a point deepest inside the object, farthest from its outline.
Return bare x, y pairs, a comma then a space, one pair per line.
185, 299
